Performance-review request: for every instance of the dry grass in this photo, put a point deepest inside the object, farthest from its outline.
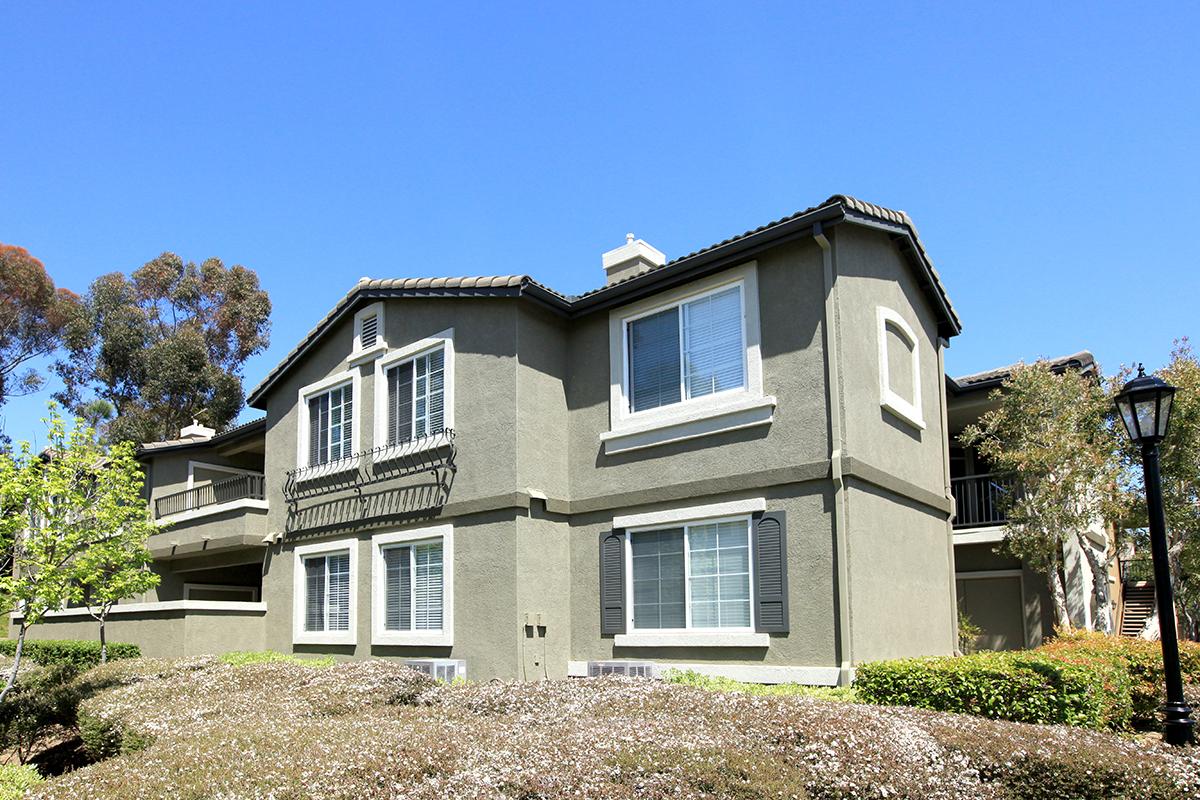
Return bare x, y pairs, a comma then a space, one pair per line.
373, 729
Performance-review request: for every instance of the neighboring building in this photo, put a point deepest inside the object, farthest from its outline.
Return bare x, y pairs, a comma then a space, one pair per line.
735, 461
1002, 595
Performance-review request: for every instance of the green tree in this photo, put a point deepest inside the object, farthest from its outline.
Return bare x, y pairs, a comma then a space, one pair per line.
1053, 434
1180, 464
166, 345
35, 319
74, 520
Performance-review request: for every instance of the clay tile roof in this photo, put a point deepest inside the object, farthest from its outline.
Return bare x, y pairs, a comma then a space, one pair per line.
1084, 361
837, 208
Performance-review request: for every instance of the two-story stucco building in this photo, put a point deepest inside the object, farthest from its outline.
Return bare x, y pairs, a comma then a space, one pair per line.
734, 461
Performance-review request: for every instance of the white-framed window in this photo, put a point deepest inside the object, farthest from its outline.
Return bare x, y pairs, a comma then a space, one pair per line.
328, 421
412, 577
414, 391
368, 331
692, 576
325, 582
899, 367
687, 363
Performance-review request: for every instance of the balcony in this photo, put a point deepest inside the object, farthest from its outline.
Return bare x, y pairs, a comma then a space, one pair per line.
393, 483
980, 500
222, 516
249, 486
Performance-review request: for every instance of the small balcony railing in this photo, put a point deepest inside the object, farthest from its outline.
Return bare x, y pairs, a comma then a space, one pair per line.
407, 480
1136, 569
250, 486
980, 500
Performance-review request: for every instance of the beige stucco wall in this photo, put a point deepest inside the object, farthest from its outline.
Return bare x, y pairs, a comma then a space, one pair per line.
166, 634
791, 311
871, 273
900, 577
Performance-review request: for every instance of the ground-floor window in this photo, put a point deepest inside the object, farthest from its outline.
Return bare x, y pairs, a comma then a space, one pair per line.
691, 576
412, 586
325, 580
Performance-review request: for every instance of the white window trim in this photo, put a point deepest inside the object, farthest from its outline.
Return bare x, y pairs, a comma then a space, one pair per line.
380, 635
702, 513
221, 587
357, 353
320, 387
701, 416
909, 411
688, 636
301, 636
444, 340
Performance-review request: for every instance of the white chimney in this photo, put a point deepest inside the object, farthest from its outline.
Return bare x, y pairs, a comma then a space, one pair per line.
197, 431
632, 258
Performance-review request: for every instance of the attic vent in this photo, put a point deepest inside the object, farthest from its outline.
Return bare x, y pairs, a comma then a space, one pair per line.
368, 332
442, 669
633, 669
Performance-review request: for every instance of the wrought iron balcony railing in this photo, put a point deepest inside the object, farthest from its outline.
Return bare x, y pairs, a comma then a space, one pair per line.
980, 500
250, 486
392, 481
1136, 569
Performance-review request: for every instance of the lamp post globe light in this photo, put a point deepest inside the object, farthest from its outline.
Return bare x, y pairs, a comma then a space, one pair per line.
1145, 408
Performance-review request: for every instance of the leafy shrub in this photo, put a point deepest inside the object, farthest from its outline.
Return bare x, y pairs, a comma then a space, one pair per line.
81, 653
240, 658
968, 633
1139, 658
15, 779
42, 702
714, 683
1020, 686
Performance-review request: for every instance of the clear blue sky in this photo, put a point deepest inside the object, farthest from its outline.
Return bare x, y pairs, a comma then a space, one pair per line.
1049, 153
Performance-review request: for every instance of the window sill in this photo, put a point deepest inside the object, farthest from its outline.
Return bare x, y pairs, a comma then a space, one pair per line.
414, 639
904, 410
304, 474
689, 421
323, 638
692, 639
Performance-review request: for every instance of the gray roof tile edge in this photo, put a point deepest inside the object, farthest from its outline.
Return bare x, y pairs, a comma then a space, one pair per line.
517, 283
1084, 358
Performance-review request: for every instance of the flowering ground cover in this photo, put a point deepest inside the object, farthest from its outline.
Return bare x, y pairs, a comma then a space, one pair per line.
204, 728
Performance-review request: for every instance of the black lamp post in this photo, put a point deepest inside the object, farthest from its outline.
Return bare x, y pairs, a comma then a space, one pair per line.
1145, 406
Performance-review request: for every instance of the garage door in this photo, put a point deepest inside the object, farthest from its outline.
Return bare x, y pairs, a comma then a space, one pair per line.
994, 604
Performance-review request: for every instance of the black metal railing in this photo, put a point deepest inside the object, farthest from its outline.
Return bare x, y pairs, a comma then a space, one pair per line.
405, 480
980, 500
1136, 569
250, 486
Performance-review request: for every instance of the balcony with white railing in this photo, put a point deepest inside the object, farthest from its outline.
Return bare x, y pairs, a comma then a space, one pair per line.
980, 500
222, 515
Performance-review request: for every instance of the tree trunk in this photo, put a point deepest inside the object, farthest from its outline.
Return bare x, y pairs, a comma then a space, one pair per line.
103, 640
12, 673
1104, 609
1062, 619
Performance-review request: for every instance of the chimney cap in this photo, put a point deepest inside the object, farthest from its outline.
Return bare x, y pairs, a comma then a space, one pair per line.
197, 431
632, 258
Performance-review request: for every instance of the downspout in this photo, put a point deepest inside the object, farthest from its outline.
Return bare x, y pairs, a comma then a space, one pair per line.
944, 403
833, 382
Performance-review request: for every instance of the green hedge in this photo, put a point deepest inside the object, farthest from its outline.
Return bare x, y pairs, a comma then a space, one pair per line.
1139, 658
82, 654
1021, 687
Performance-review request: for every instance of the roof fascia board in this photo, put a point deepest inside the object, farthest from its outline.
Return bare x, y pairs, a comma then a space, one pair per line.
709, 261
950, 325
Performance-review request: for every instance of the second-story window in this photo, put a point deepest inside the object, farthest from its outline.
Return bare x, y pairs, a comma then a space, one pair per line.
689, 350
330, 423
416, 397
